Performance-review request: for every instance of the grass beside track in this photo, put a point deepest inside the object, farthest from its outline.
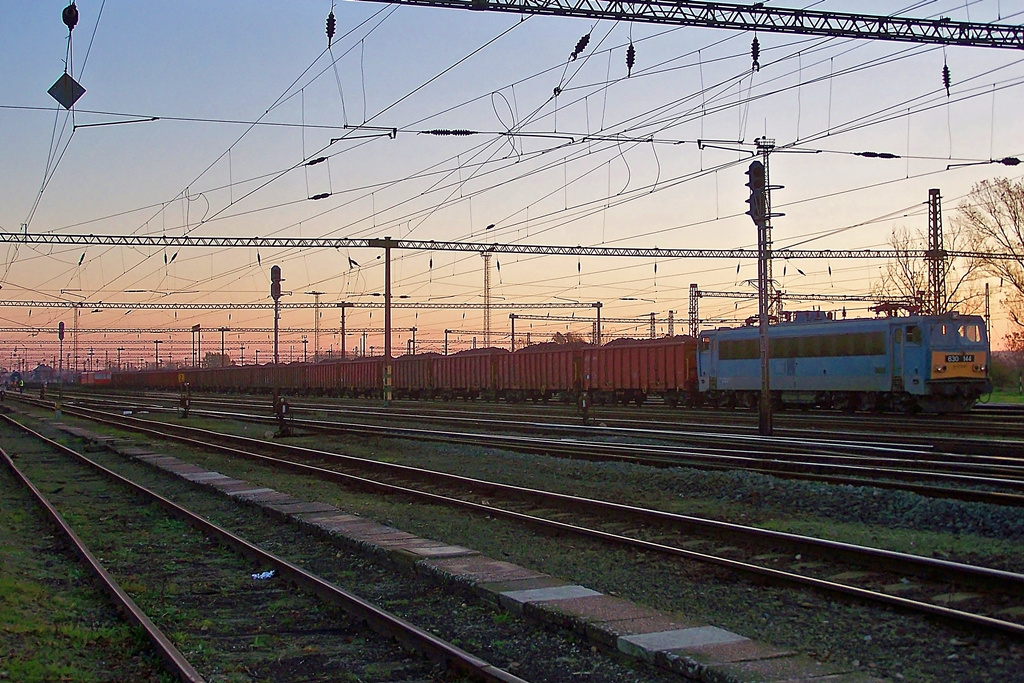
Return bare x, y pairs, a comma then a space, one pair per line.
54, 624
1005, 396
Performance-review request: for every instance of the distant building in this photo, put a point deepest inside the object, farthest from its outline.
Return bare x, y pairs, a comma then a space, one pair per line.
42, 373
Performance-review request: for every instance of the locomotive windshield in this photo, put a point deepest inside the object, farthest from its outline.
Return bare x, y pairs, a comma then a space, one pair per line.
958, 333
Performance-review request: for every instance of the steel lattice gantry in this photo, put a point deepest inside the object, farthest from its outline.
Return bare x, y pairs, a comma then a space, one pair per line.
167, 241
100, 305
757, 17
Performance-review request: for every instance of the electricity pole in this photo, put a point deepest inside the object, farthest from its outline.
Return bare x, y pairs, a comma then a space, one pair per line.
316, 324
386, 244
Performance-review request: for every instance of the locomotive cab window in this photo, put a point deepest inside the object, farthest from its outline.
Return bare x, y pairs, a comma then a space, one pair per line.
971, 333
913, 334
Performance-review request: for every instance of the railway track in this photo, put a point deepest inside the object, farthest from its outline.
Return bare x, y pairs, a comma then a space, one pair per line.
218, 609
923, 470
981, 433
904, 582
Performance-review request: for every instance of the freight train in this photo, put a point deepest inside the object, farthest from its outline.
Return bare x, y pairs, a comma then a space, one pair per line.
919, 363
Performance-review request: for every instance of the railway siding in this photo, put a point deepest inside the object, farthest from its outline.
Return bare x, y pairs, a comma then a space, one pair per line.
672, 642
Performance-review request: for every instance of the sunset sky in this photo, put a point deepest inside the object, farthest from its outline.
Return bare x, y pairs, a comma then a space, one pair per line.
566, 152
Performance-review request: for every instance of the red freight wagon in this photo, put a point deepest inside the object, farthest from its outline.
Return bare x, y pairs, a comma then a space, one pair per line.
90, 379
260, 377
542, 370
291, 376
321, 378
631, 369
414, 376
468, 374
362, 377
331, 377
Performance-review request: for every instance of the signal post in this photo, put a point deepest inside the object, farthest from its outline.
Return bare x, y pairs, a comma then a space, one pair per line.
761, 213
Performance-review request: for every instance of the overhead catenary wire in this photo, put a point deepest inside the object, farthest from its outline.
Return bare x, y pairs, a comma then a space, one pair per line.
602, 162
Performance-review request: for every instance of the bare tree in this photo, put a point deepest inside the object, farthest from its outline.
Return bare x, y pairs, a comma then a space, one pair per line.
906, 277
992, 218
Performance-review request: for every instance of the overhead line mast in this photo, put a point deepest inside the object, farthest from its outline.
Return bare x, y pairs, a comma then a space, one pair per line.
757, 17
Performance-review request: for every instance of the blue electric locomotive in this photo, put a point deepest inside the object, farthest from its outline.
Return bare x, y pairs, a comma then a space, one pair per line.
920, 363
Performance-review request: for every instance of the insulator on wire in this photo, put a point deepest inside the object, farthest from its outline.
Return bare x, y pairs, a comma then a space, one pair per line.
1009, 161
70, 16
581, 45
318, 160
947, 79
630, 59
322, 195
449, 131
331, 25
755, 54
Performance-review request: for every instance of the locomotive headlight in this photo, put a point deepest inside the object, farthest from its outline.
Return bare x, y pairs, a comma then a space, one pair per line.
940, 368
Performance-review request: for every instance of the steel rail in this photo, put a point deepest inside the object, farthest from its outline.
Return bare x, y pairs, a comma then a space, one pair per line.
638, 454
926, 565
988, 458
379, 620
851, 475
175, 661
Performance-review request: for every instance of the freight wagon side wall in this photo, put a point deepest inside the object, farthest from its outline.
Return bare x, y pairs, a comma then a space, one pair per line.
539, 370
649, 366
414, 374
363, 376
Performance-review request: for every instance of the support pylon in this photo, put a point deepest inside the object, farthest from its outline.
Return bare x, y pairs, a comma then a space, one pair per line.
487, 298
936, 255
694, 319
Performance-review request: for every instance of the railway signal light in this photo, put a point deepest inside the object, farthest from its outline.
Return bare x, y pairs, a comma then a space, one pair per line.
275, 282
60, 331
756, 183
